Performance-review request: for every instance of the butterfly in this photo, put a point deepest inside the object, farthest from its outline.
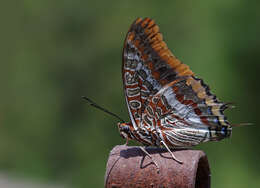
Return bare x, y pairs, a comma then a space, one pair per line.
168, 105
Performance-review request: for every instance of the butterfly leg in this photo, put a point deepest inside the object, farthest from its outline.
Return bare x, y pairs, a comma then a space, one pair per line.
126, 143
174, 158
146, 152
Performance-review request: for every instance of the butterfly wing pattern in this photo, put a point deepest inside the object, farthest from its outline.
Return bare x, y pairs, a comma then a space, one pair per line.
168, 105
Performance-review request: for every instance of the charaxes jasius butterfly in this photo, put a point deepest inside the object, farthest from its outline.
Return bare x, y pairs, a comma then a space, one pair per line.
168, 105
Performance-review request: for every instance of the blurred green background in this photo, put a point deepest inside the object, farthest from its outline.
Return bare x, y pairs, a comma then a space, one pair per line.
53, 52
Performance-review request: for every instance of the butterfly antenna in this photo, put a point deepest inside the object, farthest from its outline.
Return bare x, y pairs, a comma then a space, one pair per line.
92, 103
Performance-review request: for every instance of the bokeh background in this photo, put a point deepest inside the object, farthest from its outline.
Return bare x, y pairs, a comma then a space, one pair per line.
53, 52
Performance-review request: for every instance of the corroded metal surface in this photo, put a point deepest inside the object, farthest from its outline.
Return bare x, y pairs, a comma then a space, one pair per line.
128, 166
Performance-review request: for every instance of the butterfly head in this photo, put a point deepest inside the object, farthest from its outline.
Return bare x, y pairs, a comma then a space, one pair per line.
125, 130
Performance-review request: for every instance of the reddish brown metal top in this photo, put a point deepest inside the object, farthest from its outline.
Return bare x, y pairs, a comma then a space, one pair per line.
128, 166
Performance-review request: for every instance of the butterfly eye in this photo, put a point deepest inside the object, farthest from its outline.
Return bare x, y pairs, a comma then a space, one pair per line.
125, 129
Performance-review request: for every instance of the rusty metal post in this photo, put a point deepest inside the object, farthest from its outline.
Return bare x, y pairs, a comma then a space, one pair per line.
128, 166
